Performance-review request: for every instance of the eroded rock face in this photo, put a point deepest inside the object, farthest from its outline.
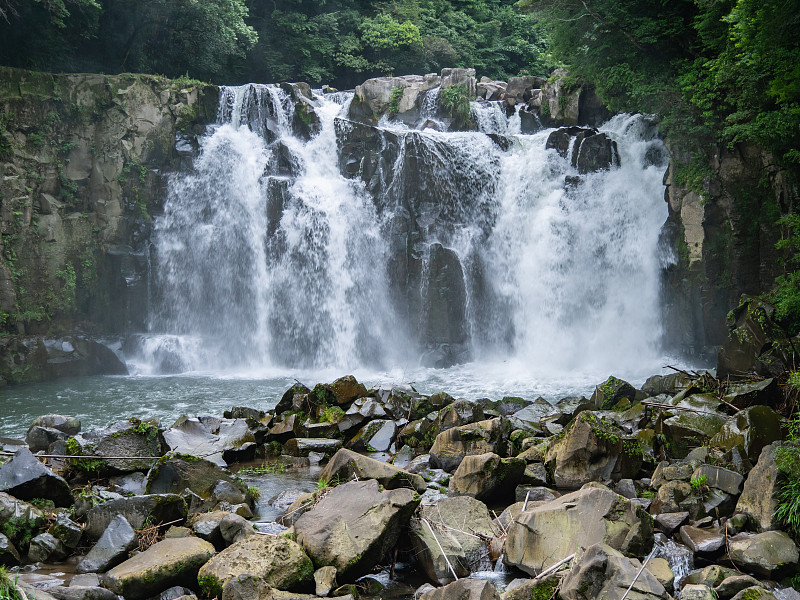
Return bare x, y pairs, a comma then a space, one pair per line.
354, 525
541, 536
278, 561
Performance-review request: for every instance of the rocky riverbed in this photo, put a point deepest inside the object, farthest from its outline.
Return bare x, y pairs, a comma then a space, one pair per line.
571, 498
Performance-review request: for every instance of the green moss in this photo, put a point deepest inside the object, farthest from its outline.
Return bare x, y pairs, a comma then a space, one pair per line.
394, 101
546, 590
209, 586
8, 586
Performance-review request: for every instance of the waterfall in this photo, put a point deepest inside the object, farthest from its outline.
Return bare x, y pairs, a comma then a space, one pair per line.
300, 242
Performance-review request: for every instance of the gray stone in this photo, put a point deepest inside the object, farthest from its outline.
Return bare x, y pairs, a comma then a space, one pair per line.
463, 589
11, 510
703, 541
8, 552
669, 522
159, 508
66, 425
129, 484
234, 528
734, 584
278, 561
112, 548
375, 436
485, 476
755, 593
346, 464
544, 534
67, 531
766, 554
130, 437
82, 593
325, 580
214, 440
696, 591
26, 478
46, 548
85, 580
165, 564
304, 446
354, 525
759, 498
451, 446
247, 587
175, 474
717, 477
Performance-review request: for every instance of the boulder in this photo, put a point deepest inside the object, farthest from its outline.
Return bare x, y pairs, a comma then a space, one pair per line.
8, 552
660, 569
26, 478
486, 476
324, 580
544, 534
214, 439
445, 304
375, 436
165, 564
67, 531
720, 478
710, 576
46, 548
750, 429
765, 554
82, 592
234, 528
66, 425
734, 584
464, 589
112, 548
593, 448
346, 464
703, 541
19, 521
206, 526
374, 97
451, 446
173, 474
669, 522
603, 572
346, 389
562, 97
759, 498
278, 561
766, 392
250, 587
158, 508
755, 593
527, 418
460, 527
354, 525
696, 591
130, 437
457, 413
48, 428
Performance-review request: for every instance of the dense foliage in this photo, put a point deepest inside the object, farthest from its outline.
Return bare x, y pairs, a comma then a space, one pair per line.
341, 42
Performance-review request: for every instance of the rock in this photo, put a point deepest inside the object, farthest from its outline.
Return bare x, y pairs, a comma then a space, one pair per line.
159, 508
710, 576
41, 438
213, 439
535, 494
67, 425
717, 477
750, 429
22, 520
324, 580
8, 552
669, 384
670, 521
464, 589
294, 399
703, 541
346, 464
278, 561
734, 584
82, 593
765, 392
690, 429
248, 587
46, 548
112, 548
759, 498
603, 572
766, 554
529, 589
460, 524
373, 98
485, 476
67, 531
696, 591
354, 525
444, 320
451, 446
234, 528
592, 449
129, 484
375, 436
674, 497
659, 568
304, 446
528, 418
165, 564
206, 527
25, 478
130, 437
755, 593
174, 473
346, 389
543, 535
458, 413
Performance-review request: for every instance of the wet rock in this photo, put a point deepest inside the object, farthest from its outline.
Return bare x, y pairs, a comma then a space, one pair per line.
464, 589
360, 411
603, 572
278, 561
288, 427
346, 389
670, 521
765, 392
234, 528
129, 484
130, 437
612, 391
219, 440
750, 429
82, 592
67, 425
49, 428
159, 508
766, 554
676, 496
25, 478
374, 97
8, 552
528, 418
593, 449
112, 548
354, 525
451, 446
710, 576
543, 535
703, 541
176, 473
458, 413
375, 436
346, 464
325, 580
165, 564
669, 384
444, 320
46, 548
485, 476
67, 531
535, 494
459, 526
759, 498
659, 568
206, 527
696, 591
734, 584
248, 587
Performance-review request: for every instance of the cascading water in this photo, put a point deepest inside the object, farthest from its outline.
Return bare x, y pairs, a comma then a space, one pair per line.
357, 246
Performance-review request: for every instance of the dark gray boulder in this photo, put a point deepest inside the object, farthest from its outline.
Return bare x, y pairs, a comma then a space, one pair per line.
112, 548
26, 478
158, 508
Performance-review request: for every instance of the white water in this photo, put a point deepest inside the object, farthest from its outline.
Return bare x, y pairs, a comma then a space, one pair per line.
568, 285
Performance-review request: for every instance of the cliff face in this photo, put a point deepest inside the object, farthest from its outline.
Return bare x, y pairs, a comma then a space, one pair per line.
722, 227
81, 158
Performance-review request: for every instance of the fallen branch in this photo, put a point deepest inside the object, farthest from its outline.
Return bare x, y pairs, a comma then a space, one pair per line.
639, 572
554, 568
